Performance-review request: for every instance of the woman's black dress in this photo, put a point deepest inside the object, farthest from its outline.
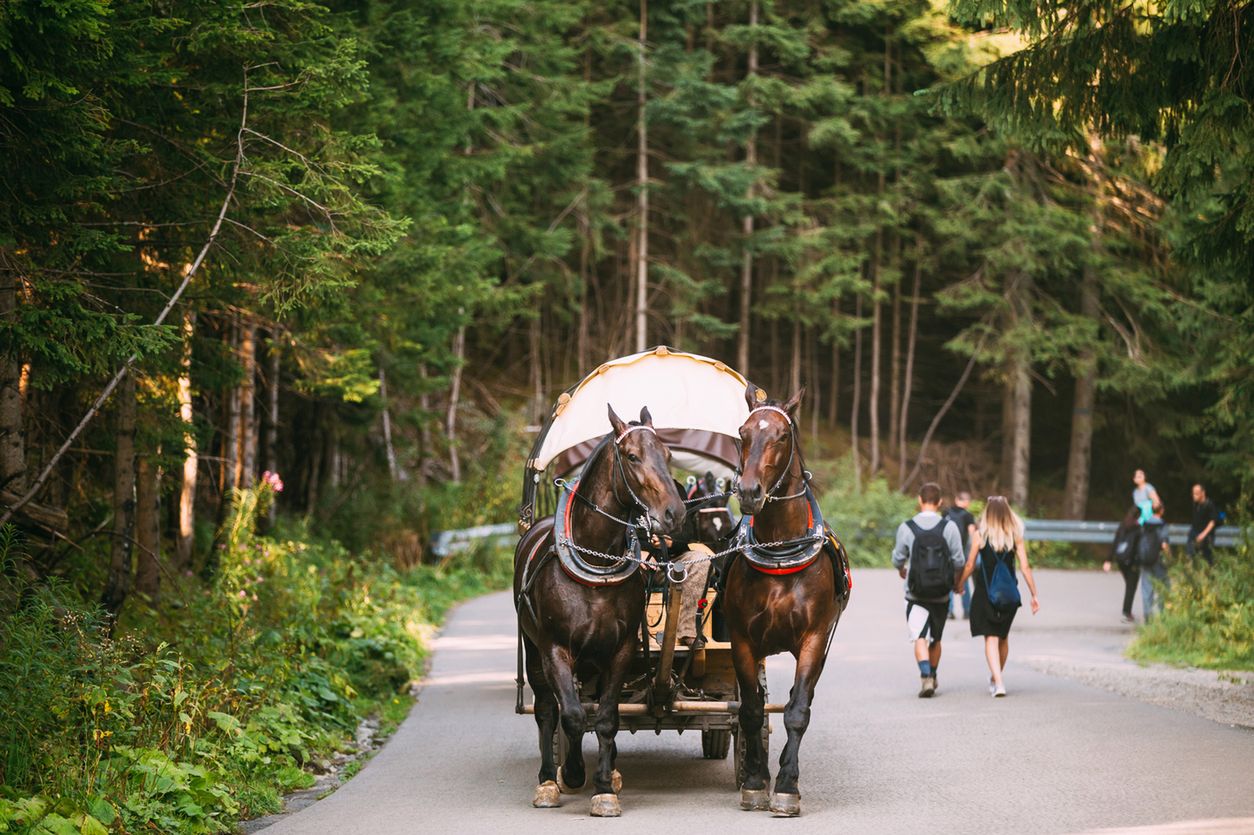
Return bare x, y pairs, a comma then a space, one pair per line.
985, 620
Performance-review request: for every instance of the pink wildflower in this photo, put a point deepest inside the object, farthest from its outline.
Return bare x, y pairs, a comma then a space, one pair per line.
273, 479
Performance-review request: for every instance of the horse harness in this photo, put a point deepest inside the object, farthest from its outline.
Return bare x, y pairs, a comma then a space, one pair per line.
795, 555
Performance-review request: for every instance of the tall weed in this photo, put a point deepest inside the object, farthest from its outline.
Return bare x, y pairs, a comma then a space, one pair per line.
1208, 614
196, 716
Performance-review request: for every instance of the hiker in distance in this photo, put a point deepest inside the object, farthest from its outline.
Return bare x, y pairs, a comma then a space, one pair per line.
998, 541
1202, 530
928, 555
962, 517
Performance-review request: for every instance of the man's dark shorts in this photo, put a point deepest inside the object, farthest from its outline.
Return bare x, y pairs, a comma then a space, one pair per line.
926, 620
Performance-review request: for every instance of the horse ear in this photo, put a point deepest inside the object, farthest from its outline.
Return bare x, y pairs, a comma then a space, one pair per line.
616, 421
793, 402
754, 396
645, 418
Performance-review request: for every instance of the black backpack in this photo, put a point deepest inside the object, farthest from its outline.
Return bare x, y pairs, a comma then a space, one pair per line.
1128, 548
931, 572
1150, 546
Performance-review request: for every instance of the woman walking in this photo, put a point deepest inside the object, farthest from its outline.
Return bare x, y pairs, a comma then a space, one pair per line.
998, 541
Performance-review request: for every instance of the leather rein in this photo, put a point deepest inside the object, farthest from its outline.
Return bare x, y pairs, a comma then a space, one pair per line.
570, 554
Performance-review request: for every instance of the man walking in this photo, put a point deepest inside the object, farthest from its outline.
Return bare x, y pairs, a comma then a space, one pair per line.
961, 516
1202, 529
928, 555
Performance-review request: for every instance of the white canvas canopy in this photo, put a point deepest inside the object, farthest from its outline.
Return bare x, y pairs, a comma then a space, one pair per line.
697, 404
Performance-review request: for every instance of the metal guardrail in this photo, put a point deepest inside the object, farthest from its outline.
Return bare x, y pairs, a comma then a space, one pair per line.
1072, 530
445, 543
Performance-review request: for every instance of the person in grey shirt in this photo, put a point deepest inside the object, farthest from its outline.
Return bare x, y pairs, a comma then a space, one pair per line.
1144, 496
926, 613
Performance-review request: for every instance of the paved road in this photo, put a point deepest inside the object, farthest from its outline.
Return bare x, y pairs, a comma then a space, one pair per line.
1056, 756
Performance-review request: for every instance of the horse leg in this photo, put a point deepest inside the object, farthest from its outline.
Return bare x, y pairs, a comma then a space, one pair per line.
559, 671
786, 801
607, 782
753, 794
547, 794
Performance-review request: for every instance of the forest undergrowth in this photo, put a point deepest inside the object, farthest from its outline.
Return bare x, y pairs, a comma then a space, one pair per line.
191, 717
1208, 617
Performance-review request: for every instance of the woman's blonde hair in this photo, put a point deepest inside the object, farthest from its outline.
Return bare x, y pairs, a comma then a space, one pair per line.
1000, 526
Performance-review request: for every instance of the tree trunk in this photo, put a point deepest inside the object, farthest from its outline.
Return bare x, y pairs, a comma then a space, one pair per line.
424, 425
118, 582
454, 401
894, 382
1021, 421
12, 428
856, 407
317, 447
191, 460
903, 422
537, 370
147, 527
582, 354
833, 403
248, 406
1079, 455
388, 449
230, 440
271, 447
877, 317
876, 328
794, 370
1006, 474
642, 186
1080, 452
746, 258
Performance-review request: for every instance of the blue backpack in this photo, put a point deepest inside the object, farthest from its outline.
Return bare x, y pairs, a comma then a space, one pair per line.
1002, 585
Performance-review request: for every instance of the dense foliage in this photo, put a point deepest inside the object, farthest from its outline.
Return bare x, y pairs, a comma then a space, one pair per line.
1207, 619
364, 243
189, 718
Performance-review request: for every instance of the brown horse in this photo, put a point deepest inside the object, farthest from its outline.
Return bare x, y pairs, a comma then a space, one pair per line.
580, 602
786, 590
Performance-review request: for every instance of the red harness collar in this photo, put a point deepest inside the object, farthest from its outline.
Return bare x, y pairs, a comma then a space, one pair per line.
792, 569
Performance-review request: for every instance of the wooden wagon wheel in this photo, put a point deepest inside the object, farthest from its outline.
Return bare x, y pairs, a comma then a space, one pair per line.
715, 743
766, 731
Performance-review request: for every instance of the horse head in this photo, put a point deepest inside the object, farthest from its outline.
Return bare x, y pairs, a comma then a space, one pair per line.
643, 464
713, 523
768, 447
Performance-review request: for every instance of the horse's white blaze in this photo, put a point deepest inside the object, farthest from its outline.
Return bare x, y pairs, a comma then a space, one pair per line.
718, 524
762, 424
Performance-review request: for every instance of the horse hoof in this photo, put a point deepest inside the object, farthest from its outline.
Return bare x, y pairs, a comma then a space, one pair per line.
548, 795
606, 806
785, 805
616, 781
565, 787
754, 800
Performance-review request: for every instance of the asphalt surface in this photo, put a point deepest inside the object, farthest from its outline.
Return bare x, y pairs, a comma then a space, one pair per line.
1055, 756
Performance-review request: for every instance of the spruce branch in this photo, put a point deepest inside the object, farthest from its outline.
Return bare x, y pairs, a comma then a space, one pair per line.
95, 408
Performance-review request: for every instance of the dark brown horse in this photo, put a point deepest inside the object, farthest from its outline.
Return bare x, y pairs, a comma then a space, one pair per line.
580, 605
785, 591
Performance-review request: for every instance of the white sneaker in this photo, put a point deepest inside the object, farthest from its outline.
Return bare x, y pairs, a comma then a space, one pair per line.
999, 691
992, 686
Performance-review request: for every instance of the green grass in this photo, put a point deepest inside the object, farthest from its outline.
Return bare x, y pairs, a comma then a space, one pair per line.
1208, 615
192, 717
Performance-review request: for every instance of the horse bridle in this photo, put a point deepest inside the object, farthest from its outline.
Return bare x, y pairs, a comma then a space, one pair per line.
644, 522
793, 452
622, 472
